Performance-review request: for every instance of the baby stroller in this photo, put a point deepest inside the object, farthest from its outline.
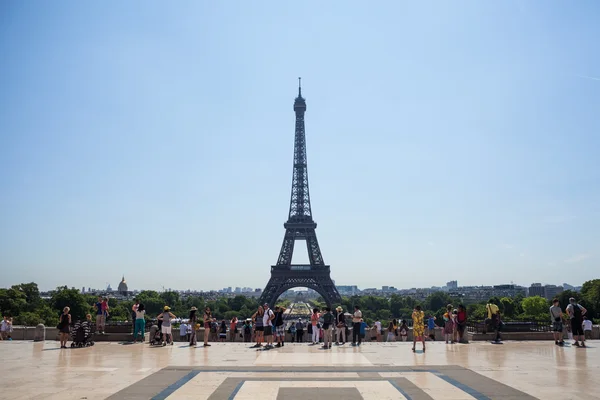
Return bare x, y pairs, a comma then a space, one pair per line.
81, 334
156, 336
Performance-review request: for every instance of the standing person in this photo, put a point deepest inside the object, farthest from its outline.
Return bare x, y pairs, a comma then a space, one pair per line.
576, 313
223, 331
314, 321
166, 316
328, 321
449, 325
182, 332
340, 327
6, 328
247, 330
188, 331
493, 314
418, 317
63, 327
363, 329
431, 327
293, 331
279, 326
134, 308
268, 326
378, 331
193, 321
233, 330
556, 316
140, 323
259, 328
100, 319
587, 328
299, 331
404, 331
391, 337
105, 309
356, 323
208, 320
461, 323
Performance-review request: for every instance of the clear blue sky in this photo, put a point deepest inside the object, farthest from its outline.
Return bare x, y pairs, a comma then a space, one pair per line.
445, 141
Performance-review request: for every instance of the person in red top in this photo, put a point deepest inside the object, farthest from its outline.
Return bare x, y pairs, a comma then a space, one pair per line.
461, 322
233, 329
314, 321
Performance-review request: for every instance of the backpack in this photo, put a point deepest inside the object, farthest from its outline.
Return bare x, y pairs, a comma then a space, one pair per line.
213, 328
247, 329
577, 312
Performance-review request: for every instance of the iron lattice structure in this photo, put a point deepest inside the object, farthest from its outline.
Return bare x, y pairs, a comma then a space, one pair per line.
300, 226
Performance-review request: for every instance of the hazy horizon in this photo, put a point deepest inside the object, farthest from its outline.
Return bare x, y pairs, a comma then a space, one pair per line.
445, 142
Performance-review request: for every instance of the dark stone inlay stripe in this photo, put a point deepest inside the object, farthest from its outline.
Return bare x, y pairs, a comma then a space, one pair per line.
369, 375
169, 379
349, 393
486, 387
151, 385
227, 389
173, 387
409, 389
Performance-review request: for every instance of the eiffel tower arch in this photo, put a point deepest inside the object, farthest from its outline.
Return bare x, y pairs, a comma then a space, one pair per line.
300, 226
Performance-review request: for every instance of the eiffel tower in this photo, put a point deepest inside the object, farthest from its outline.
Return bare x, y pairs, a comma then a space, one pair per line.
300, 226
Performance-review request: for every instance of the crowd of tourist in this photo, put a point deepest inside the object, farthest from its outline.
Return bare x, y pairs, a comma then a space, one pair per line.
267, 328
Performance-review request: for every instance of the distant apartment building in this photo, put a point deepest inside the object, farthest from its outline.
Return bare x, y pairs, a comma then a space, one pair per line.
551, 291
536, 289
546, 291
348, 290
452, 285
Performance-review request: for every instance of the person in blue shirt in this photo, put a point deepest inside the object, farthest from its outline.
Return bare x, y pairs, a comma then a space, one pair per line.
363, 329
431, 327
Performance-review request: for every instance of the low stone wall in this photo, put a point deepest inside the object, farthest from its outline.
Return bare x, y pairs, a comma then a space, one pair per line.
28, 333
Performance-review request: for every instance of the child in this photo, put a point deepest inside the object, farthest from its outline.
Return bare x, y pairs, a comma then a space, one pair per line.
404, 331
587, 328
449, 325
223, 331
391, 337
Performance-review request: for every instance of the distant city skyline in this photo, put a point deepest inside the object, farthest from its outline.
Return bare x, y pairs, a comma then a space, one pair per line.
445, 141
251, 288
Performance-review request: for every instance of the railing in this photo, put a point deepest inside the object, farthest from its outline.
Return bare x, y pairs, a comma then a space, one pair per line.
512, 326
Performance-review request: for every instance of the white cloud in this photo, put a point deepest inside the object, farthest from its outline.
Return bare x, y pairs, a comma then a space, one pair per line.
593, 78
577, 258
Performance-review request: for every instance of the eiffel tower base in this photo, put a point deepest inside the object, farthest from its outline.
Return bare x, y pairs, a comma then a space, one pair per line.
283, 280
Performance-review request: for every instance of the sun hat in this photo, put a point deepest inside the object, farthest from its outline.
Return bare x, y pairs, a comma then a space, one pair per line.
167, 308
193, 308
338, 308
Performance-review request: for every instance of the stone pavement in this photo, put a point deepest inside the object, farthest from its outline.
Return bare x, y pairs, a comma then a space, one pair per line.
514, 370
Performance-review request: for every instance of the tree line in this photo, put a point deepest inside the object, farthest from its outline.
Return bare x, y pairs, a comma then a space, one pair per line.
24, 303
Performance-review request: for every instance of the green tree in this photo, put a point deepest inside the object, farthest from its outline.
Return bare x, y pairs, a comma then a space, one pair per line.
63, 297
437, 300
535, 306
508, 307
32, 294
171, 298
12, 302
590, 292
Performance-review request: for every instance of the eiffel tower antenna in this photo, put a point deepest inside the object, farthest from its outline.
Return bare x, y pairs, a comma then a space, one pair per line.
300, 226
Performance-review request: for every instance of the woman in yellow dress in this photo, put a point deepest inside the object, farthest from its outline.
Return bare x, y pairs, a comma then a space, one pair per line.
418, 318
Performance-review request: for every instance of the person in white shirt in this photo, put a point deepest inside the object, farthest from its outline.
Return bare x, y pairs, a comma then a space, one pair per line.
587, 328
268, 325
182, 332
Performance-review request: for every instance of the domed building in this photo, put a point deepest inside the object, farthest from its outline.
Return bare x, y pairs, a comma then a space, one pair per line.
122, 289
